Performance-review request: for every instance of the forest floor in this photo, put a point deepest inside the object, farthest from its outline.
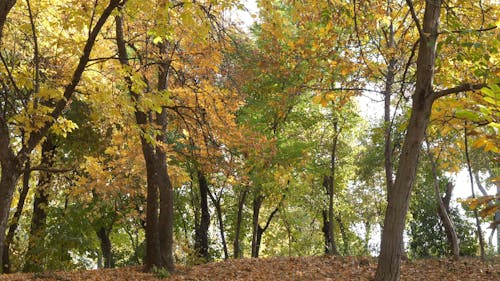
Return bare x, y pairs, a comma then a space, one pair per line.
303, 268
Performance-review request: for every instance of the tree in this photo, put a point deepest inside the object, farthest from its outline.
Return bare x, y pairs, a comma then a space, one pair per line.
422, 101
12, 158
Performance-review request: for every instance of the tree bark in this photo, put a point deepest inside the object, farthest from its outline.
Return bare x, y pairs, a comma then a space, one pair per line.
106, 247
15, 218
11, 170
5, 7
153, 253
237, 252
166, 218
201, 231
326, 231
399, 196
256, 229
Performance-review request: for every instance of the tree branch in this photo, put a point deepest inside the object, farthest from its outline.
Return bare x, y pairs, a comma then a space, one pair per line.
50, 169
462, 88
414, 16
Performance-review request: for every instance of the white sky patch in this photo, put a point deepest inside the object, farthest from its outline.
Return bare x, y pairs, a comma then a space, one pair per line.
245, 17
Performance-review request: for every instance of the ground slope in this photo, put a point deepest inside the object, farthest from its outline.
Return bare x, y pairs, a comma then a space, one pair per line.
308, 268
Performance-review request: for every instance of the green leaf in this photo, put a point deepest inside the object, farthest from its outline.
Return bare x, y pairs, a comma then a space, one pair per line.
465, 114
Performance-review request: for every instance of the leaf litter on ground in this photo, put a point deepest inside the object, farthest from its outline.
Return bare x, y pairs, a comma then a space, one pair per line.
327, 268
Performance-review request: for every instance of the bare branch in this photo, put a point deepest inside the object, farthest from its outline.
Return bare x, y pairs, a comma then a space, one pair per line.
469, 30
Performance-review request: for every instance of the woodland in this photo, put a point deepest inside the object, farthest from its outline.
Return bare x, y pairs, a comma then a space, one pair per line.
165, 138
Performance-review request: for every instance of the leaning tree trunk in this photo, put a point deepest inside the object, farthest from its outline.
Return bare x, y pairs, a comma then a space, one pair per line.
399, 196
451, 234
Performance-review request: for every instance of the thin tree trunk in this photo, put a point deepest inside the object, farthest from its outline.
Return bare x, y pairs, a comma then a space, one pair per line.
332, 248
343, 232
451, 234
201, 231
389, 262
218, 211
367, 237
469, 168
237, 252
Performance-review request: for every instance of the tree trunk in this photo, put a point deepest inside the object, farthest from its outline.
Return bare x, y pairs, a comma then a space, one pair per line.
367, 237
201, 231
497, 218
160, 207
106, 246
166, 226
5, 7
326, 231
237, 252
218, 210
153, 254
34, 263
16, 217
451, 234
10, 174
343, 232
332, 247
399, 196
471, 178
256, 229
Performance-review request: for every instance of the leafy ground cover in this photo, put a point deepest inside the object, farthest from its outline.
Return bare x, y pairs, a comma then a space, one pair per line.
304, 268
